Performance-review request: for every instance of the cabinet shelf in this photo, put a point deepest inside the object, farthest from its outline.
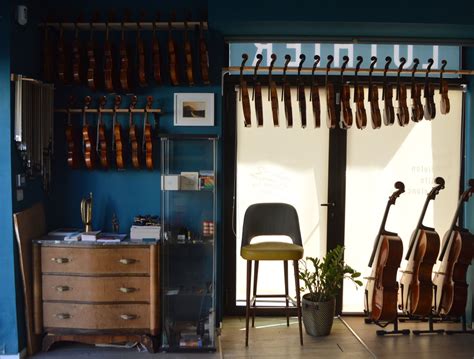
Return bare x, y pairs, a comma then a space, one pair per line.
189, 266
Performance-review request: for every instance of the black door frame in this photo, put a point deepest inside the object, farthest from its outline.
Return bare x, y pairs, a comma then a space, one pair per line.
336, 192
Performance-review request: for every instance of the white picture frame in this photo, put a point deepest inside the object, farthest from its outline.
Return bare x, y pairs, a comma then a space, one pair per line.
194, 109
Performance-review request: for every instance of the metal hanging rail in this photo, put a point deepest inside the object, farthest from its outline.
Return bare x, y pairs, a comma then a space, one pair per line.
106, 110
250, 69
127, 26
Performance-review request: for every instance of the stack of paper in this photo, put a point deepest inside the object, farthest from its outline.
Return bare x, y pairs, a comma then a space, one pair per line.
90, 236
145, 232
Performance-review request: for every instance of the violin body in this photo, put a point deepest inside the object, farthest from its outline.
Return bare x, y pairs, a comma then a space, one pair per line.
388, 110
382, 287
450, 280
274, 102
258, 103
156, 60
141, 63
103, 155
89, 148
417, 107
346, 111
429, 109
245, 103
374, 107
203, 58
331, 107
302, 104
172, 59
148, 146
287, 104
403, 115
316, 105
118, 146
361, 115
108, 67
444, 104
416, 294
73, 156
135, 149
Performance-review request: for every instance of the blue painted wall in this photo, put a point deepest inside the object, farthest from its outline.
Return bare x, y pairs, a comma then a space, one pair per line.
8, 298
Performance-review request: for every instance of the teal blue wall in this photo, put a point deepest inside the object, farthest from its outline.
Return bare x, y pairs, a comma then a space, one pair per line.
8, 297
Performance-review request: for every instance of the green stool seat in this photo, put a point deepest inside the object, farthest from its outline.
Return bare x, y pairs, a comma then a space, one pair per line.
272, 251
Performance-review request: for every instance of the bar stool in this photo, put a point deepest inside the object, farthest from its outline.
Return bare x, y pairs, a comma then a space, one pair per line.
271, 219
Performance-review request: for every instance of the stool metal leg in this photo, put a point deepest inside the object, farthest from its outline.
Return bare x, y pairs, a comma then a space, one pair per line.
298, 304
255, 279
249, 276
285, 269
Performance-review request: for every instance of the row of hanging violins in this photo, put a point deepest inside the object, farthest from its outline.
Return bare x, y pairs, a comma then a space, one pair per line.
401, 112
97, 151
71, 67
420, 294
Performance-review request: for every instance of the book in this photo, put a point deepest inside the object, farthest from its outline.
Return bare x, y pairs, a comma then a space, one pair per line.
111, 237
89, 236
73, 237
189, 181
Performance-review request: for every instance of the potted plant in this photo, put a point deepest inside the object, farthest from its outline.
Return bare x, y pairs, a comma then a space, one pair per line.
322, 280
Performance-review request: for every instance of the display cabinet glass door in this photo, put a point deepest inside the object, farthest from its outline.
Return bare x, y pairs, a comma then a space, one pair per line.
188, 167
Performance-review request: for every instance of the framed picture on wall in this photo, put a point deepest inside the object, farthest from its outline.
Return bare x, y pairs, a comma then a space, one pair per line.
194, 109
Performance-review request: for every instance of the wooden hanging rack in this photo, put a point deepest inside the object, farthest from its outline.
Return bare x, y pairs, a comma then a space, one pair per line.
106, 110
127, 26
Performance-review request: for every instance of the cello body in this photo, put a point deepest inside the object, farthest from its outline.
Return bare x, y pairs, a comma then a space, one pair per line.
416, 284
385, 286
450, 280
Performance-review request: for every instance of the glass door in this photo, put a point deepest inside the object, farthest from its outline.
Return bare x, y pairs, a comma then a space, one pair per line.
415, 155
280, 164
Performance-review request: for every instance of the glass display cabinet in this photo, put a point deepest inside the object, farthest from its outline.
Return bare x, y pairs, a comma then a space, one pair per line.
188, 210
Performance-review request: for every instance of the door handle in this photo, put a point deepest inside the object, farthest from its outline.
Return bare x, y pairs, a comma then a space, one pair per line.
330, 204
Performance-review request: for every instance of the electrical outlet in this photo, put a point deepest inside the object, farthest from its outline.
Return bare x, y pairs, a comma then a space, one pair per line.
19, 195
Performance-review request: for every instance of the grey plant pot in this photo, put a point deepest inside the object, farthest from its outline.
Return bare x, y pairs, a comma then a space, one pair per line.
318, 316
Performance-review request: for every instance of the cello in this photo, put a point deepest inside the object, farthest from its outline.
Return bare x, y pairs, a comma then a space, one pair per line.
272, 92
382, 287
416, 287
456, 256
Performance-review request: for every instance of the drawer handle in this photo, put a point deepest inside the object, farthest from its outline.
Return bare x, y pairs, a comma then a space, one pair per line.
128, 316
63, 315
127, 290
60, 260
62, 288
127, 260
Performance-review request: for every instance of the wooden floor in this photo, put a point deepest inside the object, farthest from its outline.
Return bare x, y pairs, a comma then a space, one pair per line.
272, 339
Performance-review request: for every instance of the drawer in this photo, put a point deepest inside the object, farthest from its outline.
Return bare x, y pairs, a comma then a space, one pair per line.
96, 316
96, 289
95, 260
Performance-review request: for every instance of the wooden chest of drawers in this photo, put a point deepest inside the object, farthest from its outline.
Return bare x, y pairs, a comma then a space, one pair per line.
89, 288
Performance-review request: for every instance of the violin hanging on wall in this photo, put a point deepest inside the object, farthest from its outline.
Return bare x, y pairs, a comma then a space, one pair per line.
148, 136
361, 115
92, 76
76, 58
286, 95
330, 97
387, 95
172, 56
142, 82
62, 61
73, 154
133, 135
314, 95
300, 92
374, 98
346, 111
403, 114
108, 62
382, 287
257, 93
117, 135
203, 56
244, 94
124, 63
156, 55
101, 140
451, 287
416, 286
188, 56
87, 139
272, 93
429, 109
417, 107
443, 90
